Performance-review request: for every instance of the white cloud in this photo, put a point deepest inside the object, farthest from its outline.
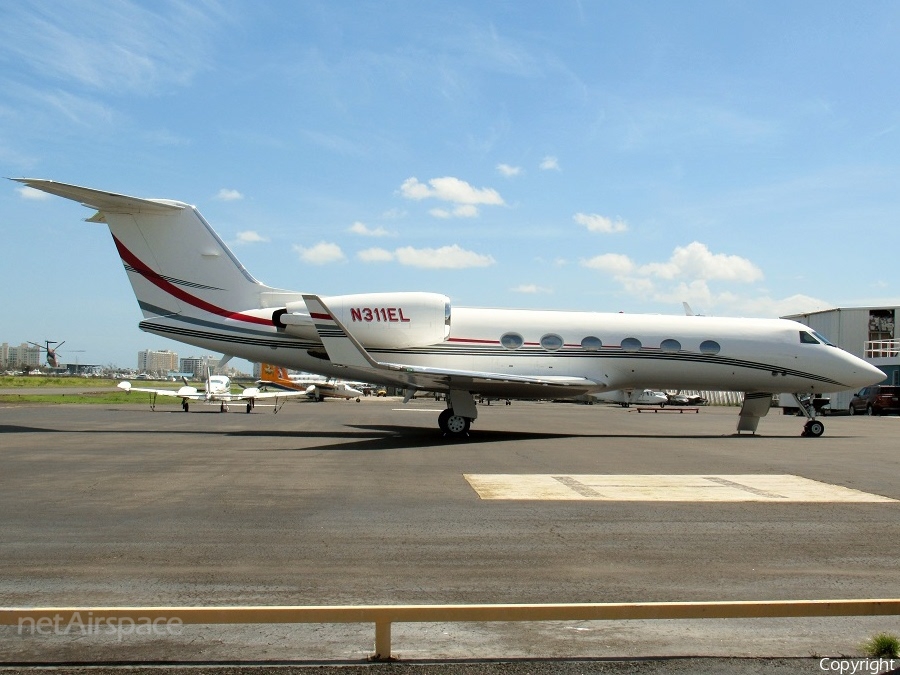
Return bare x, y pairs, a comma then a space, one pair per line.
321, 254
550, 163
33, 195
454, 190
612, 263
227, 195
366, 231
685, 276
594, 222
446, 257
696, 261
250, 237
375, 255
509, 171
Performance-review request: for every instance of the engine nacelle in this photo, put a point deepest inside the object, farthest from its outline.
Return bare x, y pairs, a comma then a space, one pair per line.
378, 320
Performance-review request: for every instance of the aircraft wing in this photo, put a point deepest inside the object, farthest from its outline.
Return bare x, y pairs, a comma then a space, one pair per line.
343, 349
252, 393
184, 392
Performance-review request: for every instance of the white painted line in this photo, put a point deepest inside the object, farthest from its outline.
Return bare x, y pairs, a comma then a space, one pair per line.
772, 488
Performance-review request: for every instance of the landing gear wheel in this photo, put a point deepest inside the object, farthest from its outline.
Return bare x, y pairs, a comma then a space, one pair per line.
453, 425
249, 407
814, 428
184, 406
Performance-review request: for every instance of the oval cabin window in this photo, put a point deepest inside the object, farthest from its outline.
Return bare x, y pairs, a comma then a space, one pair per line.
670, 346
631, 344
591, 344
512, 340
551, 342
709, 347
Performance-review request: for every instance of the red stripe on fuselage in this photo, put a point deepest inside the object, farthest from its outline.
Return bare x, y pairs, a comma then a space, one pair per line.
173, 290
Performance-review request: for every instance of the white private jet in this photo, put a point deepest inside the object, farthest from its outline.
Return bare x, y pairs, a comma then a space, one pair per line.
216, 390
192, 288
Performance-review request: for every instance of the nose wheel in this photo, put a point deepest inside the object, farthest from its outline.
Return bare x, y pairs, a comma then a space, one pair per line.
813, 428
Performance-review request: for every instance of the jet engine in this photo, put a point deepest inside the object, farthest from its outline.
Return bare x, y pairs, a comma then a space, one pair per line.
377, 320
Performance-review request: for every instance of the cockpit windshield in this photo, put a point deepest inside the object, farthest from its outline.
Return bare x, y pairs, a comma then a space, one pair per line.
813, 338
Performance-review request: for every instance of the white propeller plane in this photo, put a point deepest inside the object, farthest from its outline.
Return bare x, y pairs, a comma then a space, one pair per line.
192, 288
216, 390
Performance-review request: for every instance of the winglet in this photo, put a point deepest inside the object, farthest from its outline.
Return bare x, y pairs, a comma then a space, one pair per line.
343, 349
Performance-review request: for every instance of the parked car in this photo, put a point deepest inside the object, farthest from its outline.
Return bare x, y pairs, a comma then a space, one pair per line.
876, 400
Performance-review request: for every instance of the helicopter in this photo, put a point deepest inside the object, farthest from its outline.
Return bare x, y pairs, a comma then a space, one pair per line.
52, 357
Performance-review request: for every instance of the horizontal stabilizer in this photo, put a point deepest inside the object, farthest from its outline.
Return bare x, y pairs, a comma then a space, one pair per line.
100, 200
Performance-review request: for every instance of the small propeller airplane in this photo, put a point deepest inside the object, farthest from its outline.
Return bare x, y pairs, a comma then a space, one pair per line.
317, 387
52, 355
216, 390
191, 287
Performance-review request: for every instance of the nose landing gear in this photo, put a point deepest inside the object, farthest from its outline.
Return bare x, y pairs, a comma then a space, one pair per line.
813, 427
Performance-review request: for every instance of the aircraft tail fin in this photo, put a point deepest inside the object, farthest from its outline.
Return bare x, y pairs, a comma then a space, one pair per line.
175, 261
276, 375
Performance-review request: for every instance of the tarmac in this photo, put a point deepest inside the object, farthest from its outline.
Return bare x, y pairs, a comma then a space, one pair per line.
342, 503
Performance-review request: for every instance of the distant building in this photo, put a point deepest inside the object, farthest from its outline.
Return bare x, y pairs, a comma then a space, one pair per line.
19, 357
161, 361
198, 365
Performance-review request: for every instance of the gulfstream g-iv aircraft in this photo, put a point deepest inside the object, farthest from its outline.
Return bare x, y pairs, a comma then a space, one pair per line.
191, 288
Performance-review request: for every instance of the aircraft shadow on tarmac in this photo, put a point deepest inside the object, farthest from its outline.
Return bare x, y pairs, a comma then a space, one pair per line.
381, 437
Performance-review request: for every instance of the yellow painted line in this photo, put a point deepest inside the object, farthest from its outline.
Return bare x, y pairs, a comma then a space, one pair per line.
773, 488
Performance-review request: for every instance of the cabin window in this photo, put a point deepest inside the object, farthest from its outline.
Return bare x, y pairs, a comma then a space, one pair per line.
591, 344
709, 347
670, 346
512, 340
807, 339
551, 342
631, 344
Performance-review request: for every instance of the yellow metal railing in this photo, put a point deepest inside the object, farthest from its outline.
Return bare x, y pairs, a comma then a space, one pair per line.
385, 615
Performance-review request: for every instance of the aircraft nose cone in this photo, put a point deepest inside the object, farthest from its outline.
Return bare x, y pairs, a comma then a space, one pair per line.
865, 374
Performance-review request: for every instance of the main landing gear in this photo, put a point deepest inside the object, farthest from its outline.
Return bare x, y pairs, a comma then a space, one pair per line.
813, 427
453, 425
456, 420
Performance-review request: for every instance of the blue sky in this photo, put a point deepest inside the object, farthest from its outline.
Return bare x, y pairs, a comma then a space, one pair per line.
611, 156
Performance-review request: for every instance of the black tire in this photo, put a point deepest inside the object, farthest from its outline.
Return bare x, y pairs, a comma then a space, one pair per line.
815, 428
442, 420
870, 411
453, 425
851, 411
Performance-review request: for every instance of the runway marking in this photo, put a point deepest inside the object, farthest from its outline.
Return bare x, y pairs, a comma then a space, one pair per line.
772, 488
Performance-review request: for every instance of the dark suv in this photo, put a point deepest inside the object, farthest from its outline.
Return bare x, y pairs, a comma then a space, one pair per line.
876, 400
